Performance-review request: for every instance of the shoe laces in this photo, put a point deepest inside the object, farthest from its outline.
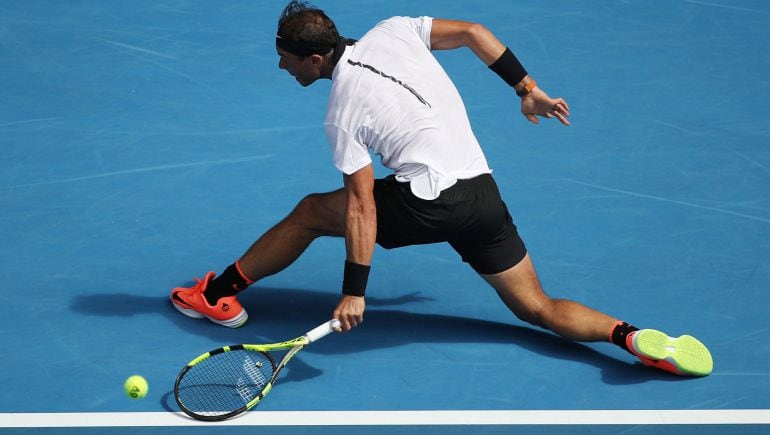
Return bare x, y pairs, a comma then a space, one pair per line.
200, 284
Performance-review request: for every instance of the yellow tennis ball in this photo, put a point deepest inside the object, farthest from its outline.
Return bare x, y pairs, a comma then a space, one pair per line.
136, 387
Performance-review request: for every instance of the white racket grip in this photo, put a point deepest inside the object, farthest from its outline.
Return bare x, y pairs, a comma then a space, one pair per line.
322, 330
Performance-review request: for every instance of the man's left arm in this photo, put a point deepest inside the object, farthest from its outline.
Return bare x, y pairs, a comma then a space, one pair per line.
360, 237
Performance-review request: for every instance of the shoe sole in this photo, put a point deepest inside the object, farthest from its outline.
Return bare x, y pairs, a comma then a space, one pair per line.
685, 353
235, 322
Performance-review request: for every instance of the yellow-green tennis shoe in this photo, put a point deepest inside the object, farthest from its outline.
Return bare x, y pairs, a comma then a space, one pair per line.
684, 356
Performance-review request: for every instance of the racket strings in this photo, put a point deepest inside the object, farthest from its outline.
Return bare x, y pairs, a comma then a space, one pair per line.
225, 382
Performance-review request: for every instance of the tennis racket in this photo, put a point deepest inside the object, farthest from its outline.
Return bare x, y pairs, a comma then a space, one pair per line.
233, 379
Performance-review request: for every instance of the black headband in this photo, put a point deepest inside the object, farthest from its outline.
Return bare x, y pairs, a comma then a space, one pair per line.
299, 48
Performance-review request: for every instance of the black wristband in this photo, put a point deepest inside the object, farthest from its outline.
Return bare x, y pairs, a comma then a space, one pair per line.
355, 278
509, 68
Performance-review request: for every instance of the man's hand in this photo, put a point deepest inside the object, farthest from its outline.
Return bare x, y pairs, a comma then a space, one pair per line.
538, 103
350, 312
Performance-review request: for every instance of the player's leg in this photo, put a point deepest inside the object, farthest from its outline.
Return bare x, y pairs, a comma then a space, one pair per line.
318, 214
490, 243
214, 297
520, 290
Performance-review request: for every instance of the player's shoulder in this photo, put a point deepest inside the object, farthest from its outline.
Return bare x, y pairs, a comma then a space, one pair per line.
405, 21
401, 27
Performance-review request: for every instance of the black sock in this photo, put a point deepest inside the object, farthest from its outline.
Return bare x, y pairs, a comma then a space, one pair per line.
229, 283
620, 332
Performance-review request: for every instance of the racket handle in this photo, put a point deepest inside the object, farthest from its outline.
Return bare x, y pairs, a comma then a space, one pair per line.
322, 330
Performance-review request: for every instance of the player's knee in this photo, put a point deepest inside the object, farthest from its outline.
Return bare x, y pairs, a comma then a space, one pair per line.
314, 213
307, 210
538, 313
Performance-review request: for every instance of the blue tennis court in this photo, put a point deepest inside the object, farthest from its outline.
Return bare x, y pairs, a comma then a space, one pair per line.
147, 142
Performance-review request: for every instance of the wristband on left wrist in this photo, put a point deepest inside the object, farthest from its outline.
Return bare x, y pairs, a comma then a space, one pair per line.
355, 278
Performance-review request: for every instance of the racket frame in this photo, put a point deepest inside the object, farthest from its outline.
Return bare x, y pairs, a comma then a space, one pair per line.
294, 346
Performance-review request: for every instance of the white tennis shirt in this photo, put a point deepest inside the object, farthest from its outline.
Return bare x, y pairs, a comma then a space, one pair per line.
389, 94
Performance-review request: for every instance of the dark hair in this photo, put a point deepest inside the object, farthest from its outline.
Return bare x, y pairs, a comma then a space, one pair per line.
305, 29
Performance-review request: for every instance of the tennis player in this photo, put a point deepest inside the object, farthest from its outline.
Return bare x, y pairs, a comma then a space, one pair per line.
390, 96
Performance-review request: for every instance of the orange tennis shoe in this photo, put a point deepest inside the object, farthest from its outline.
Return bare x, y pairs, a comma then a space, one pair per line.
191, 302
684, 356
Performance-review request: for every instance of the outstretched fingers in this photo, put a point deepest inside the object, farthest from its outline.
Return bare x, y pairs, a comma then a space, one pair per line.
560, 111
539, 104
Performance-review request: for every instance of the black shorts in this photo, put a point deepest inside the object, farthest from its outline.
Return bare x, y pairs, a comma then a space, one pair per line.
470, 215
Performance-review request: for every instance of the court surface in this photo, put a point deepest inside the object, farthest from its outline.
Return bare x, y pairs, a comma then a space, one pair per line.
147, 142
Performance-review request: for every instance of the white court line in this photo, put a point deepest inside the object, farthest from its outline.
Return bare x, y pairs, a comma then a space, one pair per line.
673, 201
147, 169
393, 418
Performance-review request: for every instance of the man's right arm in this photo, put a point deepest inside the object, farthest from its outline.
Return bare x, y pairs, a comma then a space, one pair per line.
451, 34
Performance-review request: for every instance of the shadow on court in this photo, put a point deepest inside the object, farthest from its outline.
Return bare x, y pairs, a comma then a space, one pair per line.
280, 314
